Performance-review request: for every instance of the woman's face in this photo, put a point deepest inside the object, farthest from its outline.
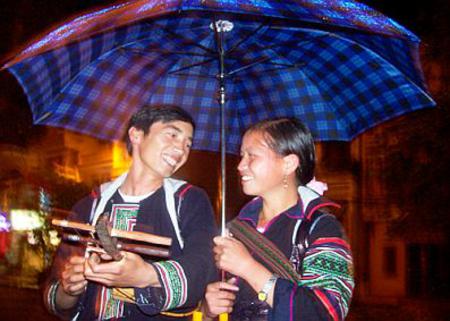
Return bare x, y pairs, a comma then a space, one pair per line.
261, 169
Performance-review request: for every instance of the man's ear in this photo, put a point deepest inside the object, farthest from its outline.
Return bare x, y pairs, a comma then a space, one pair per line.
135, 135
291, 162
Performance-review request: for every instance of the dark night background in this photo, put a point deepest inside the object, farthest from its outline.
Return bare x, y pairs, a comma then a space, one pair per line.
418, 173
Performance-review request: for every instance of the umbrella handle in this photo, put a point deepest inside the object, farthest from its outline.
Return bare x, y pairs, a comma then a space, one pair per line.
223, 317
198, 316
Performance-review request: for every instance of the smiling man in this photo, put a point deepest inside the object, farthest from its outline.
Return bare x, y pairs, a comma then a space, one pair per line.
91, 286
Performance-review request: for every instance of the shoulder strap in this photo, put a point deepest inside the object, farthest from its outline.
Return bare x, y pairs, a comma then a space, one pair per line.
262, 247
106, 191
302, 231
171, 186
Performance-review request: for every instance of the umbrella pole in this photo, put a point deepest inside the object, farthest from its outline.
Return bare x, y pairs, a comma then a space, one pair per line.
197, 315
223, 163
218, 33
223, 150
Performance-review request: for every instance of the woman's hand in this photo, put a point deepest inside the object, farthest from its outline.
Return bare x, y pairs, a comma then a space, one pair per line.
228, 251
233, 257
219, 298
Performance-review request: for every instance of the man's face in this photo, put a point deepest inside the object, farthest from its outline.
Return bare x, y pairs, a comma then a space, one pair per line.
164, 149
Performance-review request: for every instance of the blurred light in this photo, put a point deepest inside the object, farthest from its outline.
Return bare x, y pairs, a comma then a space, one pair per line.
4, 224
120, 159
68, 172
31, 238
44, 200
54, 239
24, 220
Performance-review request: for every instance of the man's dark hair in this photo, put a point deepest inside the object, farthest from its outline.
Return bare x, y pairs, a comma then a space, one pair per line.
287, 136
147, 115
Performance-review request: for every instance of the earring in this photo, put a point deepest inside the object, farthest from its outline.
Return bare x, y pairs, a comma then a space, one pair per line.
285, 182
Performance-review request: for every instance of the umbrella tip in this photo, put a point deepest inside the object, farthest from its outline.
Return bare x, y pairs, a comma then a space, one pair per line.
222, 25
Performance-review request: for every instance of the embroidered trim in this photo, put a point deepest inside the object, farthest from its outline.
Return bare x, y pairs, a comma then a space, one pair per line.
174, 282
328, 271
123, 217
181, 198
51, 297
110, 308
262, 247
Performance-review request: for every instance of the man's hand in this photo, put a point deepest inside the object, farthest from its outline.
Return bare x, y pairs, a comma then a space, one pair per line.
130, 271
72, 280
72, 283
219, 298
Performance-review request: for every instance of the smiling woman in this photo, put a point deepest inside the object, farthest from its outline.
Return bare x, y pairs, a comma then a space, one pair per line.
295, 262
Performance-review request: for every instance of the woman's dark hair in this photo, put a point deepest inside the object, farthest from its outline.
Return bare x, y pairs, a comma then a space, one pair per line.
147, 115
287, 136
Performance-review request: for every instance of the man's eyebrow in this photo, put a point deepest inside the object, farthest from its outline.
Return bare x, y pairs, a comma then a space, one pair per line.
171, 126
178, 129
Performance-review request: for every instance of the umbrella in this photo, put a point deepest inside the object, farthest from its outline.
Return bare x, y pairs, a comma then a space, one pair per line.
338, 65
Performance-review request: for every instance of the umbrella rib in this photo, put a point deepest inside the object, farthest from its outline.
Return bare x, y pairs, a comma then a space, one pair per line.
195, 75
168, 52
192, 65
272, 47
238, 43
261, 60
293, 42
264, 60
297, 42
187, 40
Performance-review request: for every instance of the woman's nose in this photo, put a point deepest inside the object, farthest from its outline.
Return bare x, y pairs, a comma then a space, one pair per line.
242, 164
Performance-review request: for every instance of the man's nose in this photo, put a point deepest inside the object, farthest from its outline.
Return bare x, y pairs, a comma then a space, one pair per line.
179, 145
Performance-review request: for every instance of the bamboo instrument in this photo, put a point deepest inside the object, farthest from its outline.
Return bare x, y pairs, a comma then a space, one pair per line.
130, 235
136, 248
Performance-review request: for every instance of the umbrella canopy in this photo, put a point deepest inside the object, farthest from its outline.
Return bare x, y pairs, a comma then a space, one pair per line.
339, 66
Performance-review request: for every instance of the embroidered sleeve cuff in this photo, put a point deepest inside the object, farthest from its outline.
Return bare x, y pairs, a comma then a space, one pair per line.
50, 297
174, 283
50, 301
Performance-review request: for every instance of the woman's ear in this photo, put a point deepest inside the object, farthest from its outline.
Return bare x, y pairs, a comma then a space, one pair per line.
291, 163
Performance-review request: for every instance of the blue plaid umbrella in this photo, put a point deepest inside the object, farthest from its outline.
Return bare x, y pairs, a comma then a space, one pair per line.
338, 65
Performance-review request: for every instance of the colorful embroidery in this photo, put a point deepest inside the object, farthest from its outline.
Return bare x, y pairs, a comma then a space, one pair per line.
174, 283
110, 307
262, 247
123, 217
51, 296
328, 271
